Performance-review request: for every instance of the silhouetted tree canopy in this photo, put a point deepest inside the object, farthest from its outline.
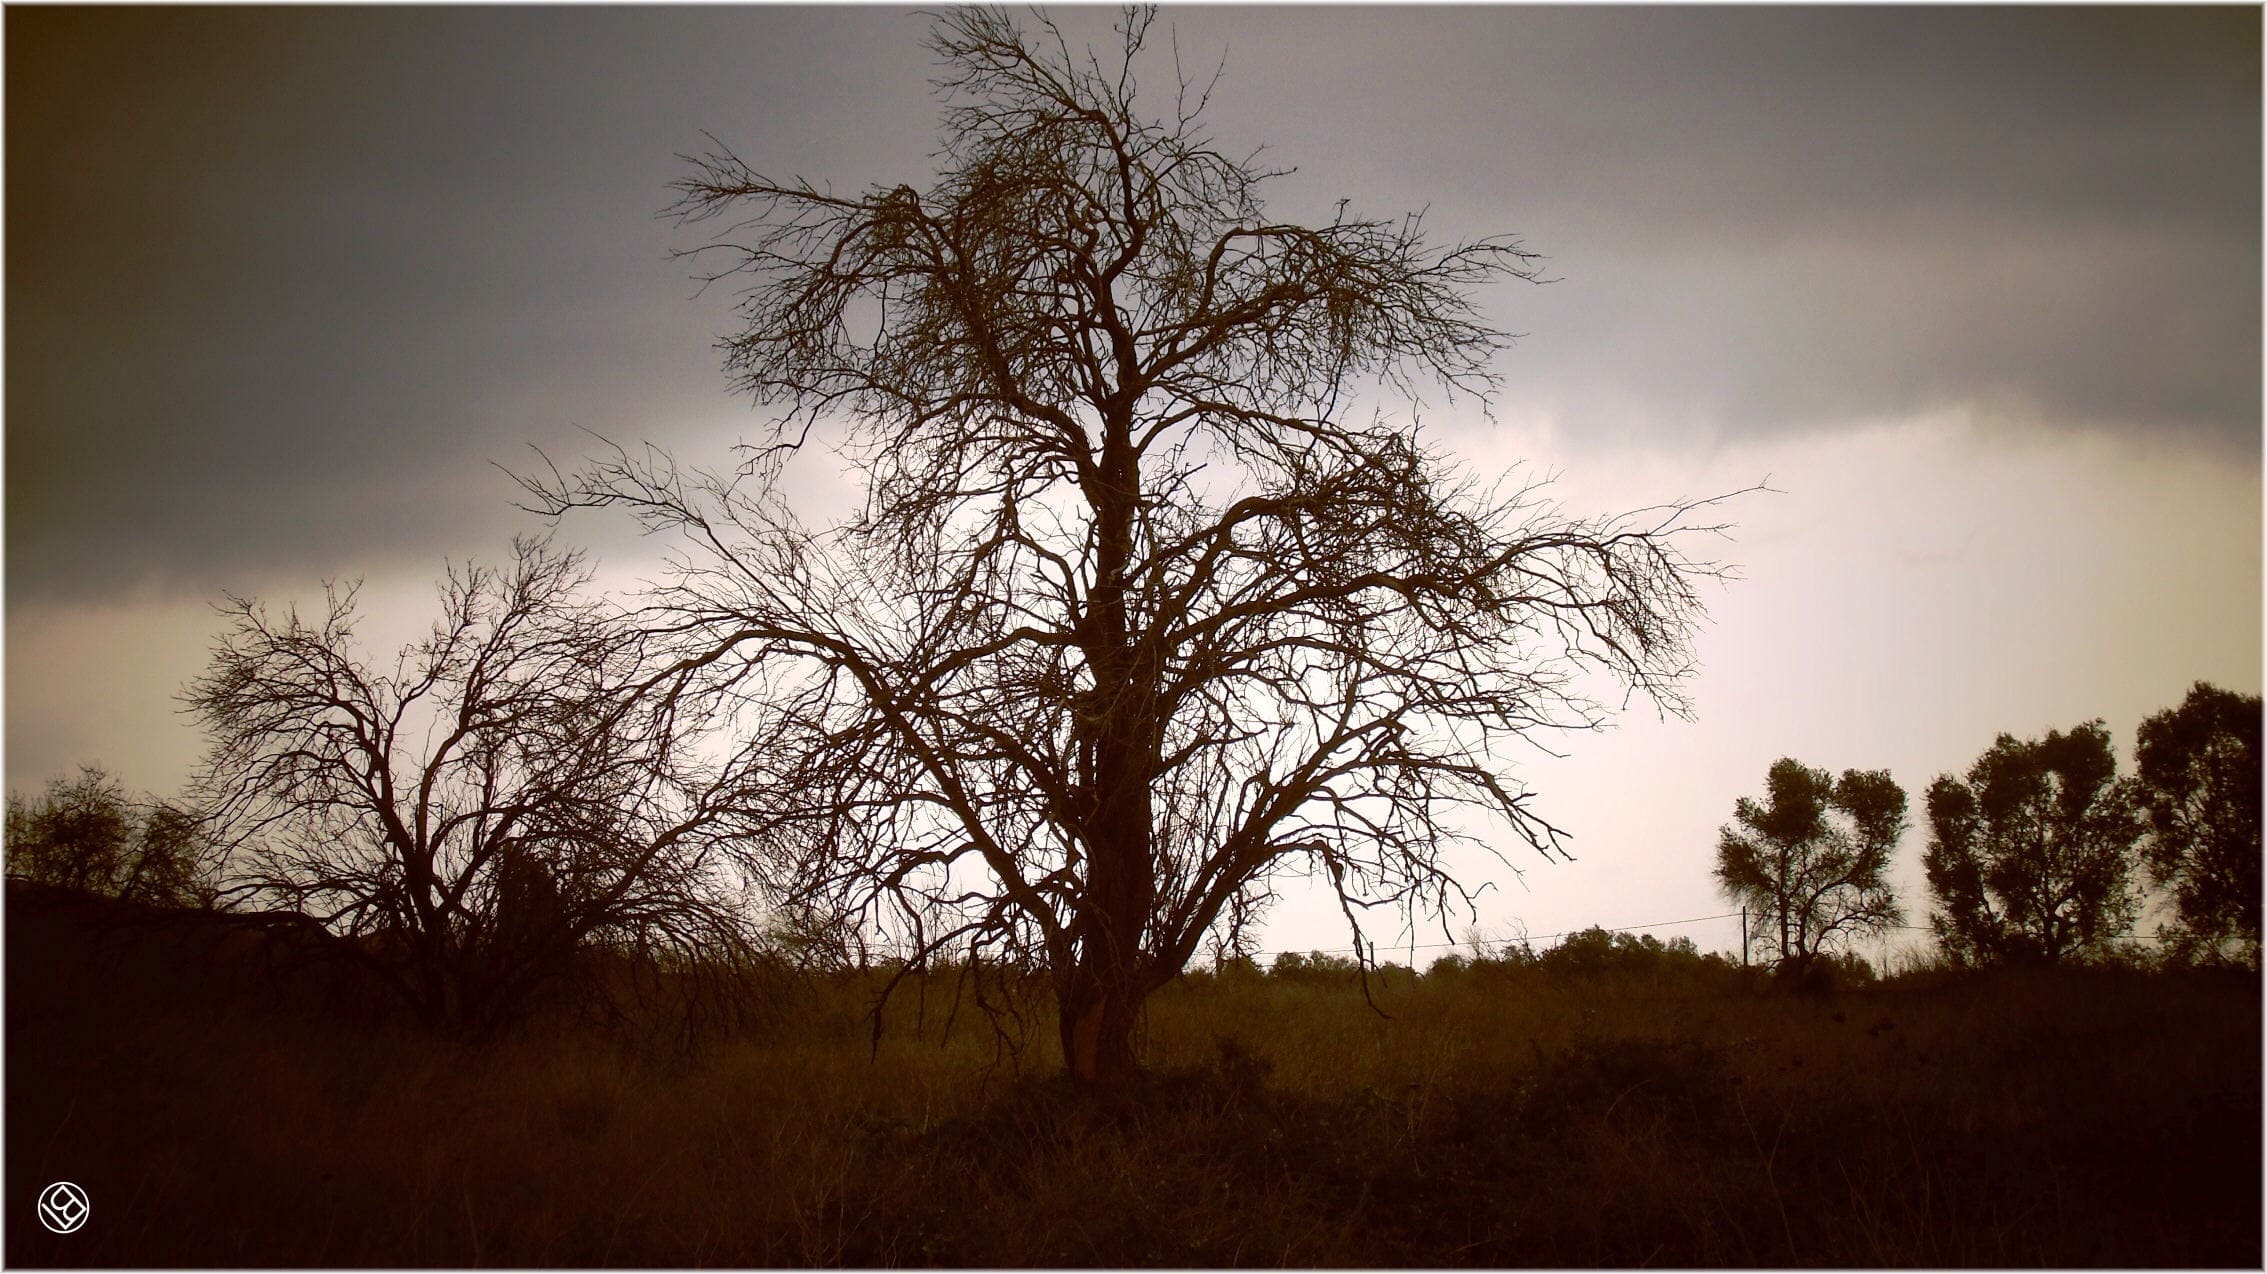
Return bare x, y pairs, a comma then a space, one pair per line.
2031, 856
1598, 952
2199, 785
1143, 606
1810, 862
521, 782
1592, 960
88, 834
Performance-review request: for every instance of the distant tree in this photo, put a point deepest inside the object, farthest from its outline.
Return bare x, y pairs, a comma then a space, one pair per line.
1142, 608
1292, 964
2031, 856
88, 834
1482, 954
1598, 953
1811, 861
1509, 954
2199, 785
520, 784
1235, 966
1589, 953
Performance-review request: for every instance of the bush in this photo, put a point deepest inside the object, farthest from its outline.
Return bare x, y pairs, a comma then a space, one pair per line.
1826, 974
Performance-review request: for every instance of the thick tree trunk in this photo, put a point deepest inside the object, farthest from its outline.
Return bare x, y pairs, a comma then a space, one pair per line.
1100, 998
1098, 1021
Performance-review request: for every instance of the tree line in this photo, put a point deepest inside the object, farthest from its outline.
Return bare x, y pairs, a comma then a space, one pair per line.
2041, 852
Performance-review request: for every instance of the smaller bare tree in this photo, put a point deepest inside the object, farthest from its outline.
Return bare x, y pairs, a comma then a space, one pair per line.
521, 785
1811, 861
87, 834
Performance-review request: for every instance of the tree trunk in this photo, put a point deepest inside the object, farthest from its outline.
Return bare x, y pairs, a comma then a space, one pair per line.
1098, 1020
1100, 998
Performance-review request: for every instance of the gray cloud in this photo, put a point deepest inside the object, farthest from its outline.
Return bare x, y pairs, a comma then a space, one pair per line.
1767, 218
282, 282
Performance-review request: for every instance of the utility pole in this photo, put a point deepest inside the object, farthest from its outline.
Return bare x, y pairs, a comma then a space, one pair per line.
1743, 935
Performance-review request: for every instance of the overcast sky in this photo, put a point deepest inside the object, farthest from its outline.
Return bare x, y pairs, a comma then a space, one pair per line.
1978, 290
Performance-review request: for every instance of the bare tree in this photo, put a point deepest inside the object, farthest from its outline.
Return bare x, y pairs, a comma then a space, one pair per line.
1139, 611
2031, 856
520, 785
1811, 861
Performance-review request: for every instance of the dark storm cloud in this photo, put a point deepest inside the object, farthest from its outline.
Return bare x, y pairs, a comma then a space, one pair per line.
1773, 217
282, 282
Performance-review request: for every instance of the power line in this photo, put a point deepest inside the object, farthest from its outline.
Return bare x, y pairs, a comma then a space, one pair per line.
891, 948
1523, 938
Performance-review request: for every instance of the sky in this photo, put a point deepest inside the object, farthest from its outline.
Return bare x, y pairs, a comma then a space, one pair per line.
1975, 291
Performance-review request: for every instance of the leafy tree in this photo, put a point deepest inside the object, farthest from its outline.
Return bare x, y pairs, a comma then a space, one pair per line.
1599, 952
518, 785
1448, 966
2199, 786
1811, 861
88, 834
1590, 957
1292, 964
2031, 856
1142, 607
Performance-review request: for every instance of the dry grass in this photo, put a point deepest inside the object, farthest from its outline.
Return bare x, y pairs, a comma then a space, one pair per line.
2074, 1119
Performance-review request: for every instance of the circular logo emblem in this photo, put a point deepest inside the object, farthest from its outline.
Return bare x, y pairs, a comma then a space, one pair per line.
63, 1207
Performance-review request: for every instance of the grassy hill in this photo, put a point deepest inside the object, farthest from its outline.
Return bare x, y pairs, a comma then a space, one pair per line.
223, 1106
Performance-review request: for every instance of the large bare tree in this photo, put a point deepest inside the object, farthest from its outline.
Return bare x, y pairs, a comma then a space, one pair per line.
1143, 606
523, 782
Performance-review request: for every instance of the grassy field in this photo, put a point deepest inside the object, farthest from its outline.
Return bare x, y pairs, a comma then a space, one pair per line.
217, 1119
